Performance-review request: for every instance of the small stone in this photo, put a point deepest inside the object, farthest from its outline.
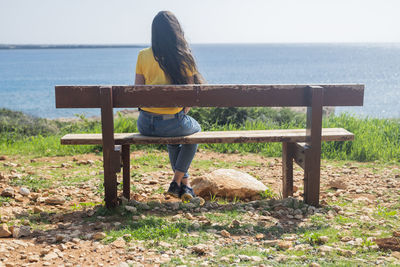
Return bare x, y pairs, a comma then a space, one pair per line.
99, 236
314, 264
200, 249
173, 205
270, 243
8, 192
198, 201
284, 244
345, 252
4, 231
50, 256
119, 243
3, 157
224, 259
164, 244
54, 201
326, 249
24, 191
346, 239
259, 236
225, 233
255, 258
244, 257
324, 239
396, 254
21, 231
59, 237
33, 258
298, 216
131, 209
189, 216
338, 184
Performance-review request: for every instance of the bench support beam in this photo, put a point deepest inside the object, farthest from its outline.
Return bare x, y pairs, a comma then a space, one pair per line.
300, 154
110, 156
287, 169
126, 171
312, 161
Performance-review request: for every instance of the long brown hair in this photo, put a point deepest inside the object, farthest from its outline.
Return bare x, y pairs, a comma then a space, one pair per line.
170, 48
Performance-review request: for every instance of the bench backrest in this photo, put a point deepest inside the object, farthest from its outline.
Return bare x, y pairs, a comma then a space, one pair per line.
208, 95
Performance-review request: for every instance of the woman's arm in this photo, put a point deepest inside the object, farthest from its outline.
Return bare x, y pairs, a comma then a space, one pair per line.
139, 79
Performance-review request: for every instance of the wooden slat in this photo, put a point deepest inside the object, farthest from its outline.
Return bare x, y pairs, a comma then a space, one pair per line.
208, 95
259, 136
78, 96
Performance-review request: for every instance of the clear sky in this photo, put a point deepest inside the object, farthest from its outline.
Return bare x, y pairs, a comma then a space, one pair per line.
204, 21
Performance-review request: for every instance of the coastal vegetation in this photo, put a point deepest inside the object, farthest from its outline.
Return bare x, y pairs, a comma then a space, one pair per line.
375, 139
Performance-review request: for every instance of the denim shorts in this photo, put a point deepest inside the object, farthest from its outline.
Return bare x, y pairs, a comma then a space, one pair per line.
167, 125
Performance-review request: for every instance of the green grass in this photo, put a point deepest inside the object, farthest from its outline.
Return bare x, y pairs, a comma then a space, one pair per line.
375, 139
32, 182
4, 200
150, 228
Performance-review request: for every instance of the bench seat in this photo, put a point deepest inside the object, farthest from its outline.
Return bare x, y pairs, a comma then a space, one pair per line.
254, 136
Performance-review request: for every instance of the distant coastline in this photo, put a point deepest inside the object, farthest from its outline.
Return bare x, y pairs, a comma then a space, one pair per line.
66, 46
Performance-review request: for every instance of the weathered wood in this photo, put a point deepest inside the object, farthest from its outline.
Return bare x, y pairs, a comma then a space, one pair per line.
109, 153
307, 154
287, 169
300, 153
126, 171
312, 162
209, 95
258, 136
78, 96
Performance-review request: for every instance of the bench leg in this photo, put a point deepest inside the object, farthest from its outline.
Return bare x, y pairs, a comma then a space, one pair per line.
312, 176
312, 163
111, 157
126, 171
110, 178
287, 169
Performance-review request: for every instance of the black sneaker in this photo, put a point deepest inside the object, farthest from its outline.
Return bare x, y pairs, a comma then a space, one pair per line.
174, 189
186, 193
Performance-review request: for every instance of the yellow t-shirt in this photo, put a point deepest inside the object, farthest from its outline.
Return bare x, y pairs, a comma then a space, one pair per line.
148, 67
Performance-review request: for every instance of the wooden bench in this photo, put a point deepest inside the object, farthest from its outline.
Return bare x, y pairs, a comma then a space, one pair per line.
302, 146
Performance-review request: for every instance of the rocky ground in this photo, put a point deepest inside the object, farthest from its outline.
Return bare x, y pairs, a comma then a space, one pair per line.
52, 215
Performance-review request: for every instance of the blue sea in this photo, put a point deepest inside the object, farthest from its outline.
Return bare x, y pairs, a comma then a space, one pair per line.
28, 77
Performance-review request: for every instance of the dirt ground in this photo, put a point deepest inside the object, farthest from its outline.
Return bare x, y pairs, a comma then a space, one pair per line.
59, 222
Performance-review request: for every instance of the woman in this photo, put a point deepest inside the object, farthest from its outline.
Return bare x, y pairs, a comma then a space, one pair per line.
169, 61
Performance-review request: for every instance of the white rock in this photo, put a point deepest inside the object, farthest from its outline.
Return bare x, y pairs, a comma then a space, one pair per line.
24, 191
227, 183
50, 256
